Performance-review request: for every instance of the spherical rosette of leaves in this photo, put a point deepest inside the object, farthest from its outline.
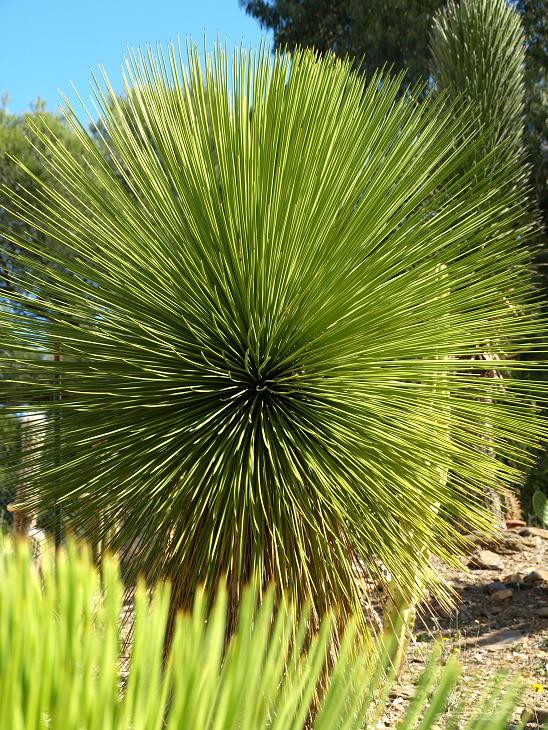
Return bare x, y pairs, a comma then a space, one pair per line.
258, 346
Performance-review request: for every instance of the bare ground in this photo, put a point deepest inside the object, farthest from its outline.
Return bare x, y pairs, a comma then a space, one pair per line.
500, 624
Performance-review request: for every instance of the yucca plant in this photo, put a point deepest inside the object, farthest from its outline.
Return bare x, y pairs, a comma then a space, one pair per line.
258, 341
62, 668
478, 55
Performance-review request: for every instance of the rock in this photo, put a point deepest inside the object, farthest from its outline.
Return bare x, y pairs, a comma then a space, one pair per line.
536, 576
533, 531
486, 560
513, 579
514, 544
496, 586
534, 717
541, 612
494, 640
501, 595
406, 692
506, 542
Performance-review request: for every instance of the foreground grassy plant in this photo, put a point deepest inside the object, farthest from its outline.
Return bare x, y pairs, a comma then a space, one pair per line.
61, 666
261, 344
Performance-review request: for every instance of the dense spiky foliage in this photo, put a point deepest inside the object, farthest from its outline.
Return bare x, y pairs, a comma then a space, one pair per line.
255, 358
478, 54
62, 668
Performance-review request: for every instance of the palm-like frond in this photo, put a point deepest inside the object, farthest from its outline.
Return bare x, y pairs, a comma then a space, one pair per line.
254, 344
61, 666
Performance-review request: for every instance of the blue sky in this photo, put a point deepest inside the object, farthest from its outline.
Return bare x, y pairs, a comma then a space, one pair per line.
46, 44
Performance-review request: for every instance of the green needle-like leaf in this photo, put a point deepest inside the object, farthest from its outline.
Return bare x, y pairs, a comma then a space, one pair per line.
260, 341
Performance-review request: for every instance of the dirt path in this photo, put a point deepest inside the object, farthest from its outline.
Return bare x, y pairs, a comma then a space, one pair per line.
500, 624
